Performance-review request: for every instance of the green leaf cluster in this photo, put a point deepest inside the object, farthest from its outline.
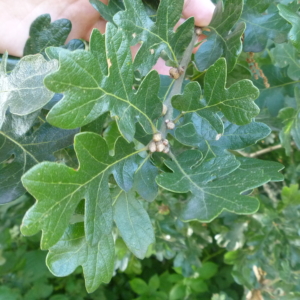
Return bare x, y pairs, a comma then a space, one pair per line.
78, 124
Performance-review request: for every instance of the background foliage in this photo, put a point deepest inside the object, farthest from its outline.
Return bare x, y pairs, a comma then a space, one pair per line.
219, 131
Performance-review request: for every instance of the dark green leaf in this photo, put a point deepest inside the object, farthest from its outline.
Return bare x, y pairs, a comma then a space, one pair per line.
52, 211
144, 181
43, 34
260, 27
20, 152
133, 223
196, 131
89, 91
281, 85
286, 55
224, 38
293, 18
73, 250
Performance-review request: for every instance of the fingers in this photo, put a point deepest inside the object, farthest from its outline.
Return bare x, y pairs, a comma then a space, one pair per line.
201, 10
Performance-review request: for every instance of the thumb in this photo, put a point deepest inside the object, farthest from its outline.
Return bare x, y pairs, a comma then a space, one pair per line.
201, 10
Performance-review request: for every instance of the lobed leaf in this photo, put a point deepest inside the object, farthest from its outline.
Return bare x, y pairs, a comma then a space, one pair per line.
23, 90
43, 34
89, 91
293, 18
73, 250
217, 184
58, 189
262, 26
236, 102
281, 85
223, 36
196, 131
157, 38
286, 55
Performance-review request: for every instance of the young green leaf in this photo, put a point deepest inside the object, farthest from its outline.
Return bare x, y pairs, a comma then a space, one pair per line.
133, 223
73, 250
224, 38
23, 90
89, 92
236, 102
43, 34
157, 37
24, 151
260, 27
291, 120
212, 193
293, 18
53, 209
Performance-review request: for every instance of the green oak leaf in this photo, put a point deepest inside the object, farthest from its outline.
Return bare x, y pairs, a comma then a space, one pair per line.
43, 34
286, 55
89, 91
224, 38
196, 131
294, 19
236, 102
262, 26
157, 38
73, 250
291, 118
281, 85
213, 191
108, 11
133, 222
23, 90
53, 210
19, 151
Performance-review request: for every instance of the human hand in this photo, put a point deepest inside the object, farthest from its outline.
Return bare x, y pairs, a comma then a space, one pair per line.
16, 19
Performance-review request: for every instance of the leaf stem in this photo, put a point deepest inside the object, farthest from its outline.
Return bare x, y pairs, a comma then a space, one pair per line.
177, 86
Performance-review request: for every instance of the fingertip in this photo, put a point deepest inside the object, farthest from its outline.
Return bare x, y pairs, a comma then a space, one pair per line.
201, 10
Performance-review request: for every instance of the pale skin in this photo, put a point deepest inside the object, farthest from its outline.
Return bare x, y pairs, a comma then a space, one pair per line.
17, 16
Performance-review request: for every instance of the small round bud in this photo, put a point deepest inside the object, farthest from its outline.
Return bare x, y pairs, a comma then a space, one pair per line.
160, 147
198, 31
166, 149
165, 109
165, 142
167, 121
171, 125
152, 147
157, 137
174, 73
